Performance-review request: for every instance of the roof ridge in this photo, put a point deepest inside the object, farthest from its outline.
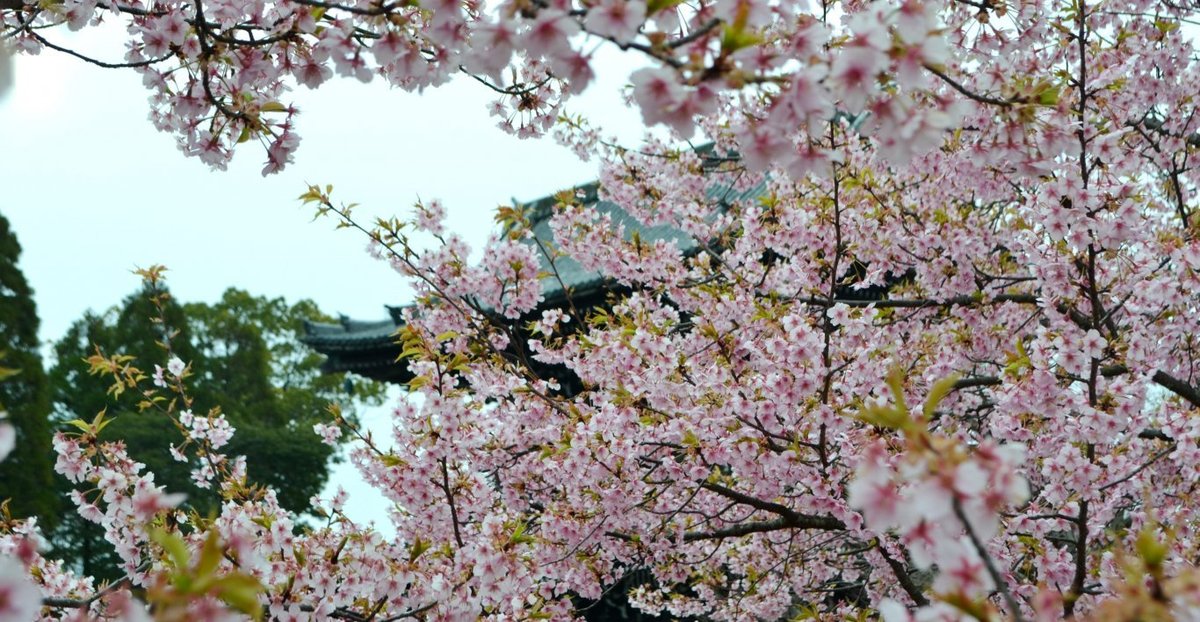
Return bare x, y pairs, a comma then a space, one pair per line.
540, 209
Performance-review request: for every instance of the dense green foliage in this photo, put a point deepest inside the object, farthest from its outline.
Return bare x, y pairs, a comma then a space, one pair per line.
27, 476
245, 358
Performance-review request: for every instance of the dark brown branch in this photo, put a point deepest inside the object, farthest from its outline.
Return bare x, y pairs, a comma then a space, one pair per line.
333, 6
1153, 434
1132, 474
983, 99
1162, 378
516, 90
1156, 125
99, 63
791, 517
65, 603
971, 382
1178, 387
341, 613
917, 303
788, 519
284, 36
982, 6
445, 484
84, 603
1014, 609
739, 530
914, 592
130, 10
695, 34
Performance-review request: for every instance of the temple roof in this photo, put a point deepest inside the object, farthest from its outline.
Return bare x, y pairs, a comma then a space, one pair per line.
368, 348
581, 281
349, 334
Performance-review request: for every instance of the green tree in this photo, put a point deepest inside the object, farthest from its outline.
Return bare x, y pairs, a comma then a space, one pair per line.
27, 476
250, 361
245, 358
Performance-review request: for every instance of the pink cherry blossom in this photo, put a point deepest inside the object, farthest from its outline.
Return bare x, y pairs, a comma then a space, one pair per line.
329, 433
616, 19
914, 312
853, 76
20, 599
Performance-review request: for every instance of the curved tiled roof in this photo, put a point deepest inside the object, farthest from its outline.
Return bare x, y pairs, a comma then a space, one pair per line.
349, 333
368, 348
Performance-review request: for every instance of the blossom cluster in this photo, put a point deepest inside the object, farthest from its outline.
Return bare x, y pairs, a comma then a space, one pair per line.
987, 208
219, 71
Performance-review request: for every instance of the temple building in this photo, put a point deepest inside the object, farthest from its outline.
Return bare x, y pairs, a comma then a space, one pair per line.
368, 348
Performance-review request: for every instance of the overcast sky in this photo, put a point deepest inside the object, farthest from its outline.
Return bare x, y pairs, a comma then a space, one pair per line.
93, 190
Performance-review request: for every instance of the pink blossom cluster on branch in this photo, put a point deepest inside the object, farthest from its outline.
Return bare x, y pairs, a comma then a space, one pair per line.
219, 71
984, 207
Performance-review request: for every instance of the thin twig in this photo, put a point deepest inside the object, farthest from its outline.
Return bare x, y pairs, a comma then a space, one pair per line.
1013, 607
983, 99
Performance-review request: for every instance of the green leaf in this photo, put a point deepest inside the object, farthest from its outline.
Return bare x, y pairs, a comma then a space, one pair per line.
1048, 96
210, 557
895, 382
654, 6
175, 547
937, 393
240, 591
418, 548
734, 39
1153, 552
392, 460
884, 417
1166, 25
519, 536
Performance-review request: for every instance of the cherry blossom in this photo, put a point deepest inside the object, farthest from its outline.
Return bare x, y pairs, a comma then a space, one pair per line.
175, 366
907, 330
618, 20
328, 433
19, 597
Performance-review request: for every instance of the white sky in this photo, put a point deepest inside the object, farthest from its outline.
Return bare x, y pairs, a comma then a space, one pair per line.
93, 190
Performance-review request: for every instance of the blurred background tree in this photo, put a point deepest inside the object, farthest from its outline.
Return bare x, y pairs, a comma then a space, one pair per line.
246, 357
27, 476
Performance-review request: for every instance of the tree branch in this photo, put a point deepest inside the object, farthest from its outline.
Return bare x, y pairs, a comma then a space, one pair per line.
917, 303
1156, 125
791, 517
914, 592
99, 63
983, 99
1161, 378
1014, 609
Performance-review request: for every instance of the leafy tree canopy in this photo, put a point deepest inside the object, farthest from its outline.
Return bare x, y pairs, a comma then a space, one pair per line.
26, 476
244, 355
